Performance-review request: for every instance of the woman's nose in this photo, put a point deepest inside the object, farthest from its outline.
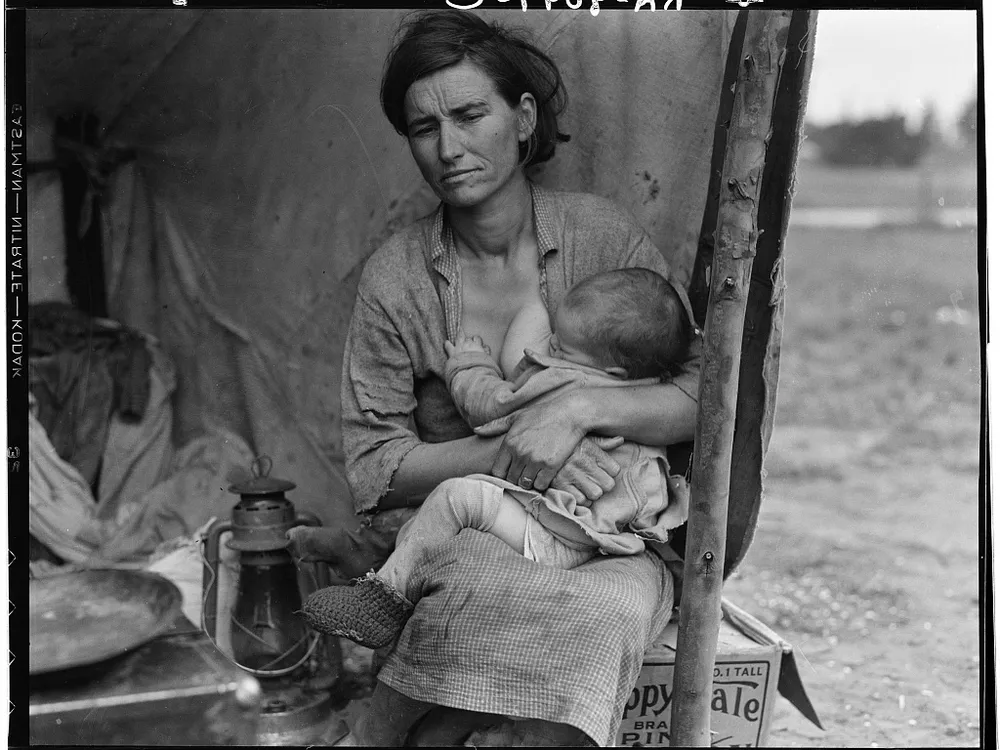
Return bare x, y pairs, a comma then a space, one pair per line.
449, 143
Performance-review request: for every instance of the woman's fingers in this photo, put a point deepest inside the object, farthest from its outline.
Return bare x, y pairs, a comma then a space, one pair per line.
501, 464
581, 499
589, 472
609, 469
538, 442
520, 474
543, 479
577, 485
515, 470
591, 489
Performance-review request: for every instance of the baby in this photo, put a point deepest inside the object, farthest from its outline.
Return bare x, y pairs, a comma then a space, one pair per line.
614, 329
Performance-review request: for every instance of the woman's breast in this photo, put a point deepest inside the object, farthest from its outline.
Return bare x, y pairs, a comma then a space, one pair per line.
530, 329
508, 321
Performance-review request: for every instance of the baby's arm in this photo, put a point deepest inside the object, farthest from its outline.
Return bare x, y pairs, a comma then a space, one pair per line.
475, 380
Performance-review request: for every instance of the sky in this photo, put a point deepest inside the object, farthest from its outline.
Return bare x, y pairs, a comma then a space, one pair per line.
873, 62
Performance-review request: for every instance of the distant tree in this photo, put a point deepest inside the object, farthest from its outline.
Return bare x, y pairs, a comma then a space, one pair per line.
874, 142
968, 121
930, 129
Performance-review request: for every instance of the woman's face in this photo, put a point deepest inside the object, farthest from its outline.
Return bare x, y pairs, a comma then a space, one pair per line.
463, 134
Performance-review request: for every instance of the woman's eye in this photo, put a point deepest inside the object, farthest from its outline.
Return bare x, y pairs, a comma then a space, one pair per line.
421, 130
472, 117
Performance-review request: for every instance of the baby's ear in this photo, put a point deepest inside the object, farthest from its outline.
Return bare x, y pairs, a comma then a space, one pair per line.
617, 372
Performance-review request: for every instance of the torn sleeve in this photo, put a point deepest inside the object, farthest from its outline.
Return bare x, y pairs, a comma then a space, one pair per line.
377, 403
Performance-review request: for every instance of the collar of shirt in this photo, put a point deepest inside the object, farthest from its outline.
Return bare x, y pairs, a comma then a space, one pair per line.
444, 255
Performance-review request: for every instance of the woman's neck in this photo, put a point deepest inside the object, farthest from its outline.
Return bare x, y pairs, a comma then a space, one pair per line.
497, 226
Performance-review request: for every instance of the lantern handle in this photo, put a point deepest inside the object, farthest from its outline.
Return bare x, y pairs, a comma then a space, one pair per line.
261, 466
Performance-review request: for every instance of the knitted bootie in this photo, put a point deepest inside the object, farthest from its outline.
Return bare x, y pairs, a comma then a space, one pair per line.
369, 611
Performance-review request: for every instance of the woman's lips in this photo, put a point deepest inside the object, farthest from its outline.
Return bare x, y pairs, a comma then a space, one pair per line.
457, 176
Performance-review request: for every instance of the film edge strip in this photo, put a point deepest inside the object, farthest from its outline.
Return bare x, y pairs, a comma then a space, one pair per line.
16, 282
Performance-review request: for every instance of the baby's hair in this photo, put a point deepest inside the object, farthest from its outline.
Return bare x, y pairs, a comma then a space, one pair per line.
635, 320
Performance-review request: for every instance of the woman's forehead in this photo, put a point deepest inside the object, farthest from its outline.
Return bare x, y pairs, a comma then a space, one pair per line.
449, 89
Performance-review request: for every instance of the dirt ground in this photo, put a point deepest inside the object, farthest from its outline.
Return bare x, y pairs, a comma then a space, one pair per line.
866, 552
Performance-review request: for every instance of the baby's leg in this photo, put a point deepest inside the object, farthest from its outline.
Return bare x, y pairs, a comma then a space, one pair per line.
455, 504
510, 523
374, 609
515, 526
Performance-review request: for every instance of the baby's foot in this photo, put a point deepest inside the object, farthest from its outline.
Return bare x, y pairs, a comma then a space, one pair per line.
369, 612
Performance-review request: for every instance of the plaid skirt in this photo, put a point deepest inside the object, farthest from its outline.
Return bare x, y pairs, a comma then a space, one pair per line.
497, 633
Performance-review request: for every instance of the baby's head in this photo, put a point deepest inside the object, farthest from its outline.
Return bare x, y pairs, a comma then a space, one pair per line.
630, 323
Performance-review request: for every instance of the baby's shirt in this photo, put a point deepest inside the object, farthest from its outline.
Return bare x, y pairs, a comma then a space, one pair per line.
482, 394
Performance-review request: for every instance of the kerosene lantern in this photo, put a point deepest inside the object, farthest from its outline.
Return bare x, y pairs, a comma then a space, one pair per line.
270, 638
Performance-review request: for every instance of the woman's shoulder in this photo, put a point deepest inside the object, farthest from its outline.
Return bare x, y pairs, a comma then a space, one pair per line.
590, 209
391, 266
404, 246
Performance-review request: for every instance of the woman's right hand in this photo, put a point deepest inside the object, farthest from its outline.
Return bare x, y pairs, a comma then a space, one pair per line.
589, 472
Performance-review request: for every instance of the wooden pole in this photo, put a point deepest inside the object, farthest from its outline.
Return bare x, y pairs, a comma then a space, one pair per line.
735, 246
763, 322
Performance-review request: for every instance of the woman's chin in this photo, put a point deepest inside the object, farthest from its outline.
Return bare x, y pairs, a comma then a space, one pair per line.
463, 196
470, 195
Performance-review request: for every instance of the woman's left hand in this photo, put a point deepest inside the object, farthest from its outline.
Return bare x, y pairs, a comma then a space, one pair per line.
540, 439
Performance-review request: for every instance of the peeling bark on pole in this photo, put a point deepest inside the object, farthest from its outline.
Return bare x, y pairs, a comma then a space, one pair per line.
735, 246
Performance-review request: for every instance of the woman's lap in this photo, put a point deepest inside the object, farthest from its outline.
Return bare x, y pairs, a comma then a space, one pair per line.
498, 634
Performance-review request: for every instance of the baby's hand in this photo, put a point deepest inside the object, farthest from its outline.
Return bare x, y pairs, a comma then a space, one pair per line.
465, 344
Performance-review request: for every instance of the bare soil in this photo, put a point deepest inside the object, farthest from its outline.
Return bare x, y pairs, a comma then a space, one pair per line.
866, 553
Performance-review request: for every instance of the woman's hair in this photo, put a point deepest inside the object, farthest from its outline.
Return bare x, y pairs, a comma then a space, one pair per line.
635, 319
430, 41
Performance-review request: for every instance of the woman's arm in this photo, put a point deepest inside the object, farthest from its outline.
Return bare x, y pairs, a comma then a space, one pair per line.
659, 414
429, 464
543, 436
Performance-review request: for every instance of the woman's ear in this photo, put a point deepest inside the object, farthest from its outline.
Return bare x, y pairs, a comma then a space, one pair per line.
526, 116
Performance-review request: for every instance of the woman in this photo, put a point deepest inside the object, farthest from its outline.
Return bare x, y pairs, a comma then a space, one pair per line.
494, 633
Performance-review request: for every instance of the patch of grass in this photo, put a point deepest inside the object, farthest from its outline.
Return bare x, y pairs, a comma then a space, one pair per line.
948, 183
881, 327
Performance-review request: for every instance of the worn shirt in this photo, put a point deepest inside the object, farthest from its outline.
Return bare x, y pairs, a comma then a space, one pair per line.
409, 302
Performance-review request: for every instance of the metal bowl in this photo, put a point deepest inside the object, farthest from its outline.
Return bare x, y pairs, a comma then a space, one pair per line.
88, 616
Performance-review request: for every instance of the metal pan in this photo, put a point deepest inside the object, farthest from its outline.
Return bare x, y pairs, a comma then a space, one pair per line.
87, 616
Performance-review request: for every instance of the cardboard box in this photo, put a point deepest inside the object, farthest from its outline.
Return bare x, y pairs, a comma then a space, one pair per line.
743, 694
